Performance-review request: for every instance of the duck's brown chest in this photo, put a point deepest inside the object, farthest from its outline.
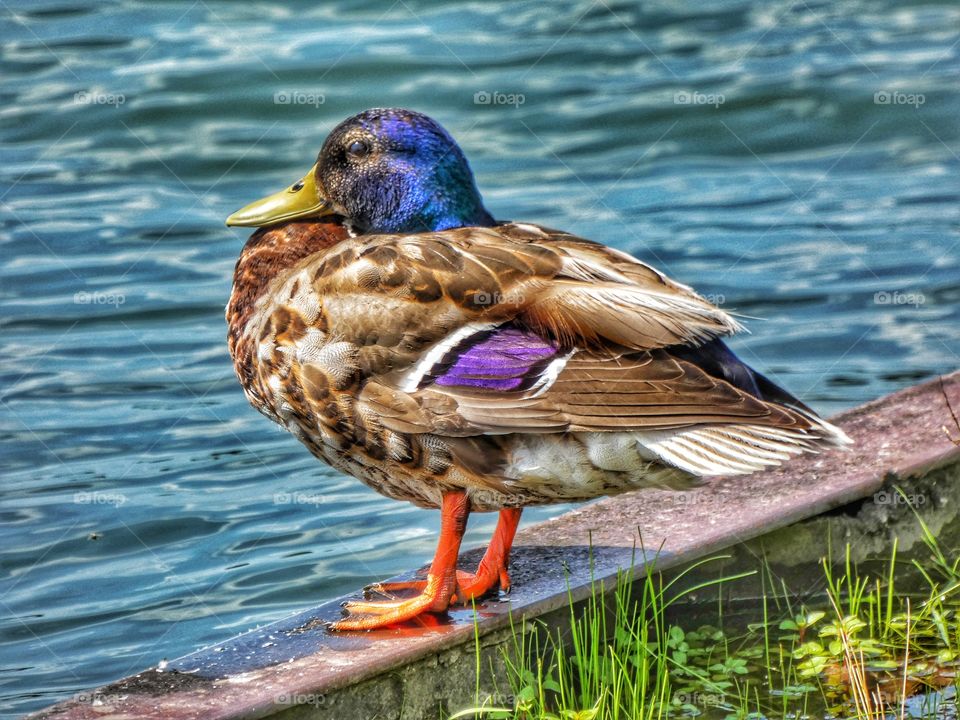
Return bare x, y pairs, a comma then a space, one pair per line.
303, 361
312, 382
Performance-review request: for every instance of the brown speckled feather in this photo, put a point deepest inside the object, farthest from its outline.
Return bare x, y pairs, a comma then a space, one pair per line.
349, 343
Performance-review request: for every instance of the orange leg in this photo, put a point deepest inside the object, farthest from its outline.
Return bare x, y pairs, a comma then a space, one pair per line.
441, 579
493, 567
491, 571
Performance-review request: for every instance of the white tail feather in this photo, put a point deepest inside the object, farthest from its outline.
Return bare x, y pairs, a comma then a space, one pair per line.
737, 449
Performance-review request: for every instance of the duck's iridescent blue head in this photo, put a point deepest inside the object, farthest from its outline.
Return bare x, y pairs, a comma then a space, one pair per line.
387, 170
395, 170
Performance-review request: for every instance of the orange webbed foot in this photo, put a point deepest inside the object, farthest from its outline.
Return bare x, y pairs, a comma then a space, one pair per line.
435, 592
493, 567
473, 586
390, 589
369, 615
444, 583
470, 586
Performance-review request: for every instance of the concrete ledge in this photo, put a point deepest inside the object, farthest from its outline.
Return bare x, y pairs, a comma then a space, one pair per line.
296, 669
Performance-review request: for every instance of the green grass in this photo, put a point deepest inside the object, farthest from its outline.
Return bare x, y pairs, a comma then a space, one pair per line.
626, 657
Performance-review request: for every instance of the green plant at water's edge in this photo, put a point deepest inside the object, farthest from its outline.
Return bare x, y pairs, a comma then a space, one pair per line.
622, 658
599, 669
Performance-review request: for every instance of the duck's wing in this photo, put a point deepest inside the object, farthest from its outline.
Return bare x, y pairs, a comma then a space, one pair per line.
518, 329
602, 295
573, 290
506, 381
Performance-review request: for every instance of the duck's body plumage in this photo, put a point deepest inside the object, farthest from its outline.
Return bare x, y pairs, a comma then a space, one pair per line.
521, 364
455, 362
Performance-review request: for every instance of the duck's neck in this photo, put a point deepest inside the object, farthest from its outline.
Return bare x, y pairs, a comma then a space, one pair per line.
447, 213
439, 213
446, 199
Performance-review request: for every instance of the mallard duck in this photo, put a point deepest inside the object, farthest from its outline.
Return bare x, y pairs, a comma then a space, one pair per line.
404, 336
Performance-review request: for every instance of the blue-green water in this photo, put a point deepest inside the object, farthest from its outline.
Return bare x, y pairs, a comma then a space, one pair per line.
796, 161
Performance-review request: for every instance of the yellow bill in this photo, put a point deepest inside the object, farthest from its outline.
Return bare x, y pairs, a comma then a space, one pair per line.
303, 199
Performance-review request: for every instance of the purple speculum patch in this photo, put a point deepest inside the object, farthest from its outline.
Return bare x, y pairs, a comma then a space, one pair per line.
504, 360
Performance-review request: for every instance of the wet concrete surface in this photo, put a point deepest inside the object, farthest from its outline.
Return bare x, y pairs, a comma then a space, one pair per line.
296, 668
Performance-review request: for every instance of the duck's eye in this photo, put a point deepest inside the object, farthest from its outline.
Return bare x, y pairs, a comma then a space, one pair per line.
358, 149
